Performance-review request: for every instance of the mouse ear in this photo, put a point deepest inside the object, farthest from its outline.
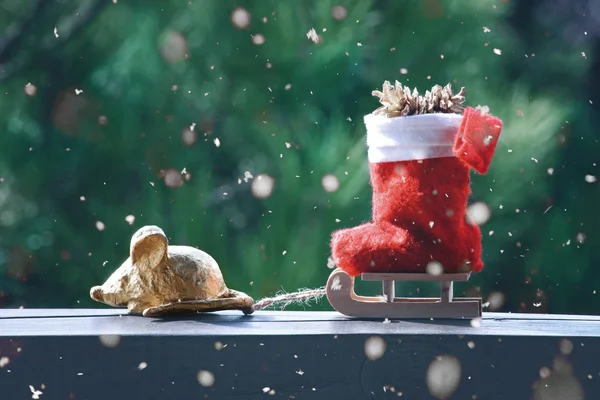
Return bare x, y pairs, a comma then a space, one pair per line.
148, 246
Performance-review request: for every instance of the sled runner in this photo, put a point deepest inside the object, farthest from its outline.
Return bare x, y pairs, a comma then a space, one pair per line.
341, 295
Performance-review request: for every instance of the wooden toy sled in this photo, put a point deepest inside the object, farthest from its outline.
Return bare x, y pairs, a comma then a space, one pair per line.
341, 295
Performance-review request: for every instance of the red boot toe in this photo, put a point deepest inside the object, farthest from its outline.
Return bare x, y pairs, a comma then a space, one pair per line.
374, 247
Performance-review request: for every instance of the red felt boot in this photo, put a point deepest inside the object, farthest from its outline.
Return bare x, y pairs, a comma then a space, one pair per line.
419, 168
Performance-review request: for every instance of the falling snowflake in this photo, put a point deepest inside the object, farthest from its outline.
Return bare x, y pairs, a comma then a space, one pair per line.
240, 18
443, 376
258, 39
495, 301
558, 382
434, 268
142, 365
330, 183
313, 35
173, 178
262, 186
590, 178
374, 348
189, 136
497, 51
339, 12
566, 347
130, 219
55, 32
479, 212
110, 341
35, 394
247, 176
205, 378
173, 46
30, 89
100, 225
330, 263
220, 346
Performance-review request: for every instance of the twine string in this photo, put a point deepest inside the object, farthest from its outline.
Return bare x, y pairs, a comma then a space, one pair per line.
302, 296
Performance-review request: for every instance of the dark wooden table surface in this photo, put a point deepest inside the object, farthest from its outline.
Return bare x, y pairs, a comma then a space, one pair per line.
106, 354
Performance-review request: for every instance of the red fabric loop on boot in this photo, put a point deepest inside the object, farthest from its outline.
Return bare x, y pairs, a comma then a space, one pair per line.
476, 139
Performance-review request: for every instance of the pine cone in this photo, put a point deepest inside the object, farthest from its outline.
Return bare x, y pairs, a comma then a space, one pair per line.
399, 101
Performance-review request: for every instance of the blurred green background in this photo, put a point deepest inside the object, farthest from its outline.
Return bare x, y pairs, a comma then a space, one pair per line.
236, 130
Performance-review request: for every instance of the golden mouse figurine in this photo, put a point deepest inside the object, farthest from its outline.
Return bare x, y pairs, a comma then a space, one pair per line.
158, 279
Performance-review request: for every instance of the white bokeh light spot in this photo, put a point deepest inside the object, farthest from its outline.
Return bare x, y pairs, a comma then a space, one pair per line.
240, 18
173, 178
173, 46
479, 212
206, 378
30, 89
262, 186
434, 268
374, 348
258, 39
330, 183
443, 376
339, 12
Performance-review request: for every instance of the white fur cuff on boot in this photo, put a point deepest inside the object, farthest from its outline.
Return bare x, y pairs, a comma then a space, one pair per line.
414, 137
